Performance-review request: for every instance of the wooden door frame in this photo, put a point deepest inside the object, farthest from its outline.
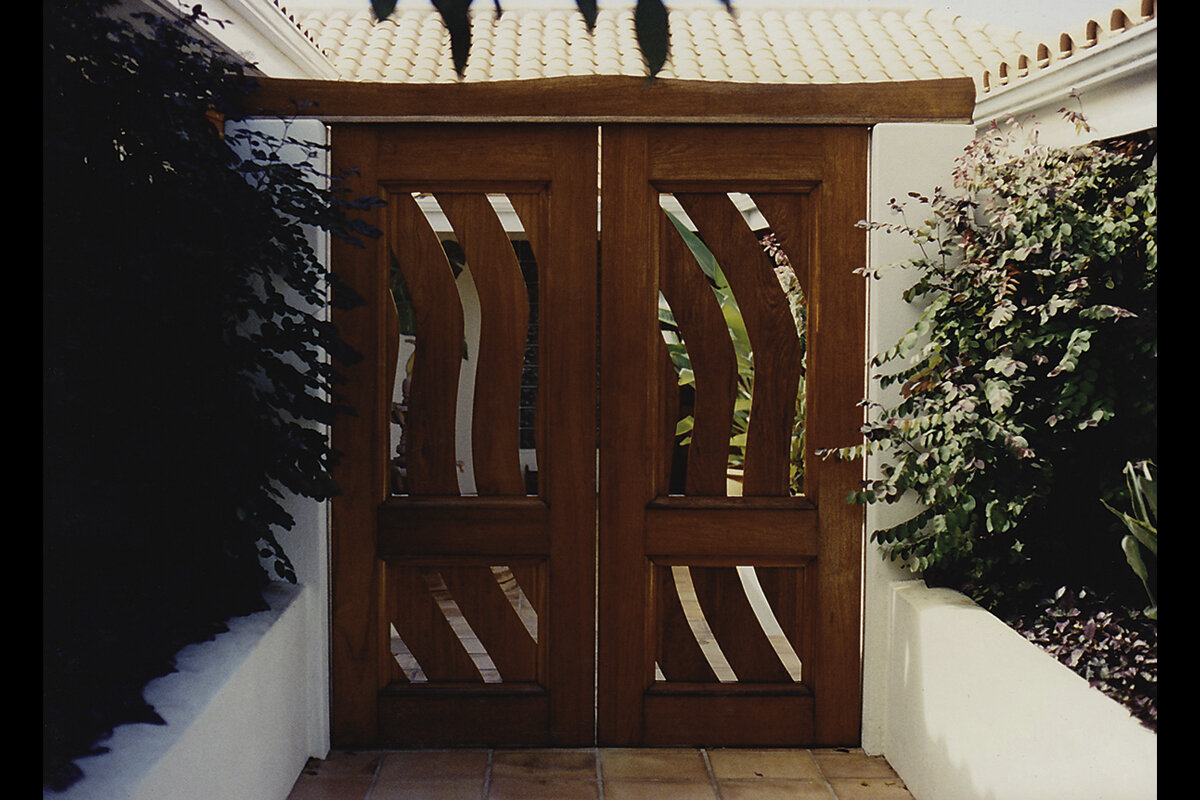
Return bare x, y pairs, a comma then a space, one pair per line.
593, 100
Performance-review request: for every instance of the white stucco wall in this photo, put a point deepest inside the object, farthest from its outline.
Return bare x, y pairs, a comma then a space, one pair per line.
904, 158
976, 712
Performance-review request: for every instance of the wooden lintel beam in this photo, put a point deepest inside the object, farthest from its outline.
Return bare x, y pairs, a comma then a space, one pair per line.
617, 98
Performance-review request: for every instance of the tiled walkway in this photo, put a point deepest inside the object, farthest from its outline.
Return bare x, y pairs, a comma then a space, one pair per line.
600, 774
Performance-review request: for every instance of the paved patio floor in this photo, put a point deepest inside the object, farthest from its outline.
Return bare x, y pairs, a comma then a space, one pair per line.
600, 774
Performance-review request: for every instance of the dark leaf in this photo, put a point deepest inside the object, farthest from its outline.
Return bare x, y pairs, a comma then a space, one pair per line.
382, 8
588, 9
455, 16
654, 38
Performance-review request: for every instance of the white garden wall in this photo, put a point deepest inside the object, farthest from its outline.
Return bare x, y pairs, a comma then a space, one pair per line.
904, 158
976, 711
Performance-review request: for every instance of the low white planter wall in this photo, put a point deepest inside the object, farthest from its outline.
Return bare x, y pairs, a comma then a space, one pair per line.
976, 711
238, 718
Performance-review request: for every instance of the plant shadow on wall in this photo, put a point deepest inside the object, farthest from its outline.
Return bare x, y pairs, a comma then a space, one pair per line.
185, 365
1028, 382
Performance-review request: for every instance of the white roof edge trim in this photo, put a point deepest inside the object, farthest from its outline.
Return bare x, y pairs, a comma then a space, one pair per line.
1131, 54
265, 21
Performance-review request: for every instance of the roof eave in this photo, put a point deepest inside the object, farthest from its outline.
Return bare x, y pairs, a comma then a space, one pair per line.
263, 33
1132, 55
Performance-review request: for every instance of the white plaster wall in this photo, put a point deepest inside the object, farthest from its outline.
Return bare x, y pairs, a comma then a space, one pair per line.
238, 717
979, 713
904, 158
307, 543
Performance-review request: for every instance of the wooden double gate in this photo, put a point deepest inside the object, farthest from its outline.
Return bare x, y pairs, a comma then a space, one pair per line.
704, 587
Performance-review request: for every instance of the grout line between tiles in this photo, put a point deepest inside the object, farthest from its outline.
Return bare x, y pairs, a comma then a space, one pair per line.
599, 774
712, 778
375, 776
821, 772
487, 775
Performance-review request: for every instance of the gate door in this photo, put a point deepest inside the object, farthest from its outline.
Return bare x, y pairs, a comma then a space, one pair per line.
464, 537
730, 561
464, 545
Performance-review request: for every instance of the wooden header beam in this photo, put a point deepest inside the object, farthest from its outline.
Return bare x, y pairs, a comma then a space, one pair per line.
617, 98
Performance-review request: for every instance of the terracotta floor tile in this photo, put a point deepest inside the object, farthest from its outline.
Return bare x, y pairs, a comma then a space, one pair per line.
669, 764
749, 764
870, 789
443, 764
345, 764
658, 790
429, 789
548, 764
845, 762
776, 789
545, 789
333, 788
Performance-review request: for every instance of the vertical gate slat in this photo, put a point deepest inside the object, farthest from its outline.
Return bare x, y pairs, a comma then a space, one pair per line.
714, 363
504, 319
736, 627
791, 219
432, 467
532, 210
669, 404
772, 334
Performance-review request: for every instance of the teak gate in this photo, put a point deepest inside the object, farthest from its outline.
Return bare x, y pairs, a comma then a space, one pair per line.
658, 602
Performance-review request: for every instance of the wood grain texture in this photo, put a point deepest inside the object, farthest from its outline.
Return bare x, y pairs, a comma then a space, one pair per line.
772, 333
494, 621
617, 98
504, 319
735, 626
424, 629
437, 362
679, 654
358, 632
714, 364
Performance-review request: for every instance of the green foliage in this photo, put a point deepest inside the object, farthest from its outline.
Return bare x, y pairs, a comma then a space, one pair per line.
186, 367
1032, 366
741, 348
650, 24
1142, 482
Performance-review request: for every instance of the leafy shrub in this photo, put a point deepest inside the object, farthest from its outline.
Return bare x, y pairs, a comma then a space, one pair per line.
1032, 370
183, 369
1112, 647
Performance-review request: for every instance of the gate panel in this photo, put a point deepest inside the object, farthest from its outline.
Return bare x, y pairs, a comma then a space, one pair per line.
729, 594
463, 564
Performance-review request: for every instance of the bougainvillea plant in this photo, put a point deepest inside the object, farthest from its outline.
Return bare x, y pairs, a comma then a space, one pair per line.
1032, 368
